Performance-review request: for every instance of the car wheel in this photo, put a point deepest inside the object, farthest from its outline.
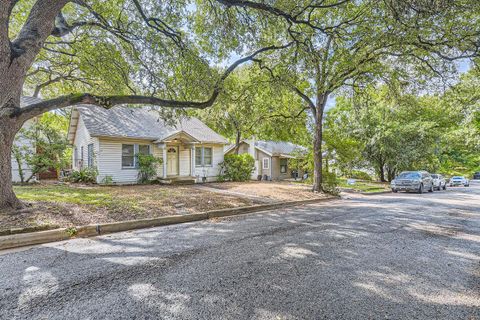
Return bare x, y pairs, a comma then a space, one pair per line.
431, 188
444, 187
420, 189
394, 190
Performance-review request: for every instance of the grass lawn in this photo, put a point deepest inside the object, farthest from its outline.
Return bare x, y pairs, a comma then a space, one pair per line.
62, 205
364, 186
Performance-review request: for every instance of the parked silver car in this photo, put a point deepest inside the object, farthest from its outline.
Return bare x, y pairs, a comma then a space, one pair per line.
417, 181
459, 181
439, 182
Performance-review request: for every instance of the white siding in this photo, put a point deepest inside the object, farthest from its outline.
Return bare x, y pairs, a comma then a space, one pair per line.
83, 139
22, 143
211, 172
110, 161
184, 158
157, 152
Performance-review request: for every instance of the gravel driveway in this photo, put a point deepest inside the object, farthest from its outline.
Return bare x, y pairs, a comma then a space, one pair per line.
402, 256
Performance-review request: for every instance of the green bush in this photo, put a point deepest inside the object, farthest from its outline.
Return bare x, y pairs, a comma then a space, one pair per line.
330, 183
107, 180
360, 175
147, 167
237, 167
85, 175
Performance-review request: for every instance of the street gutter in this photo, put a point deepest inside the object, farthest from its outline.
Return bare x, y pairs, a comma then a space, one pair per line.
33, 238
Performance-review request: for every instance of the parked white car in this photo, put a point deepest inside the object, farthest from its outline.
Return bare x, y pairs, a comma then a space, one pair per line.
459, 181
439, 182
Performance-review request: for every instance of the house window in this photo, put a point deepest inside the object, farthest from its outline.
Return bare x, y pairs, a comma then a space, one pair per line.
207, 156
128, 155
283, 166
203, 156
90, 155
198, 156
266, 163
75, 157
143, 149
81, 158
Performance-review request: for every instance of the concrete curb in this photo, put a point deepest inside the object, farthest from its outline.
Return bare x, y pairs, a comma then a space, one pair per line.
32, 238
377, 192
364, 193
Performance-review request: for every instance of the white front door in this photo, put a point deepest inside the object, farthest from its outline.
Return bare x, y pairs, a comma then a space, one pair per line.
172, 161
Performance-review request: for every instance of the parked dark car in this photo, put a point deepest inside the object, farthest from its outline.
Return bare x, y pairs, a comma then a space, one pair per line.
476, 176
417, 181
439, 182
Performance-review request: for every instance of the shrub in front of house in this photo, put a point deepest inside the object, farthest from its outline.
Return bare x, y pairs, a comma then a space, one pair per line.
237, 167
147, 167
85, 175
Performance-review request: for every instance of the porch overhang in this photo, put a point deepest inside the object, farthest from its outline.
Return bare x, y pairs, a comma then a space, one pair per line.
179, 136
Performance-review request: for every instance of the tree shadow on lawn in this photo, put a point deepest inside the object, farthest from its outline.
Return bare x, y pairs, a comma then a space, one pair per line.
346, 260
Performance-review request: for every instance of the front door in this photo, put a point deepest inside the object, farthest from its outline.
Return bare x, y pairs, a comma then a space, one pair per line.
172, 161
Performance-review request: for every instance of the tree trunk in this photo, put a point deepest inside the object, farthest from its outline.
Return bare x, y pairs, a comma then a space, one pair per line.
8, 128
381, 172
317, 142
237, 141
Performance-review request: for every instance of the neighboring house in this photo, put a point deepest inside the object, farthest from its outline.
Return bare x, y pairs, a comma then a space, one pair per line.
110, 140
272, 158
26, 145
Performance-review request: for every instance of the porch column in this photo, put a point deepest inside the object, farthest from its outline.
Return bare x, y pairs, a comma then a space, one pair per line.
163, 146
192, 161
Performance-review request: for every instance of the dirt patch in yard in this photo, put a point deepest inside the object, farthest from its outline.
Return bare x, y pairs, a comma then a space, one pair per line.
274, 191
64, 205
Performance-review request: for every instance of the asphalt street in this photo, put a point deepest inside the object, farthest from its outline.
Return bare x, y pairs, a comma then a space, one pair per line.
390, 256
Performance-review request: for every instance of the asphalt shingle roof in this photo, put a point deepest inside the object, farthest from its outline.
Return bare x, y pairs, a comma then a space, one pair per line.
142, 123
276, 148
280, 147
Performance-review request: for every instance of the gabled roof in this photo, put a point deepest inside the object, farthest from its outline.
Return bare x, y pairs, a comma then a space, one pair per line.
276, 148
280, 148
142, 123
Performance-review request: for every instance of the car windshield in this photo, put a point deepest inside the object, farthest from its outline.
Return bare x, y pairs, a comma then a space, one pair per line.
457, 178
409, 175
434, 176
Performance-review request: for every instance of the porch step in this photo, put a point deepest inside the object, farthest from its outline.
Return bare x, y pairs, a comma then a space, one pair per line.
177, 180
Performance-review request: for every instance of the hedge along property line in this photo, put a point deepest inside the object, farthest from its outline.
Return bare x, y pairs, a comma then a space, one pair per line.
26, 239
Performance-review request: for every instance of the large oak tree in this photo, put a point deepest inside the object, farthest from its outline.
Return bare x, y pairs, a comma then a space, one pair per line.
115, 52
112, 53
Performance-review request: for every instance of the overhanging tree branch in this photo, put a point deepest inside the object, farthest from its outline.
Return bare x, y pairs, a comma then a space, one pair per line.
111, 101
37, 28
291, 18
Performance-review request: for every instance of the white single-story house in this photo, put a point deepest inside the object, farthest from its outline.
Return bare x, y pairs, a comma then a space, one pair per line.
110, 140
272, 158
24, 144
